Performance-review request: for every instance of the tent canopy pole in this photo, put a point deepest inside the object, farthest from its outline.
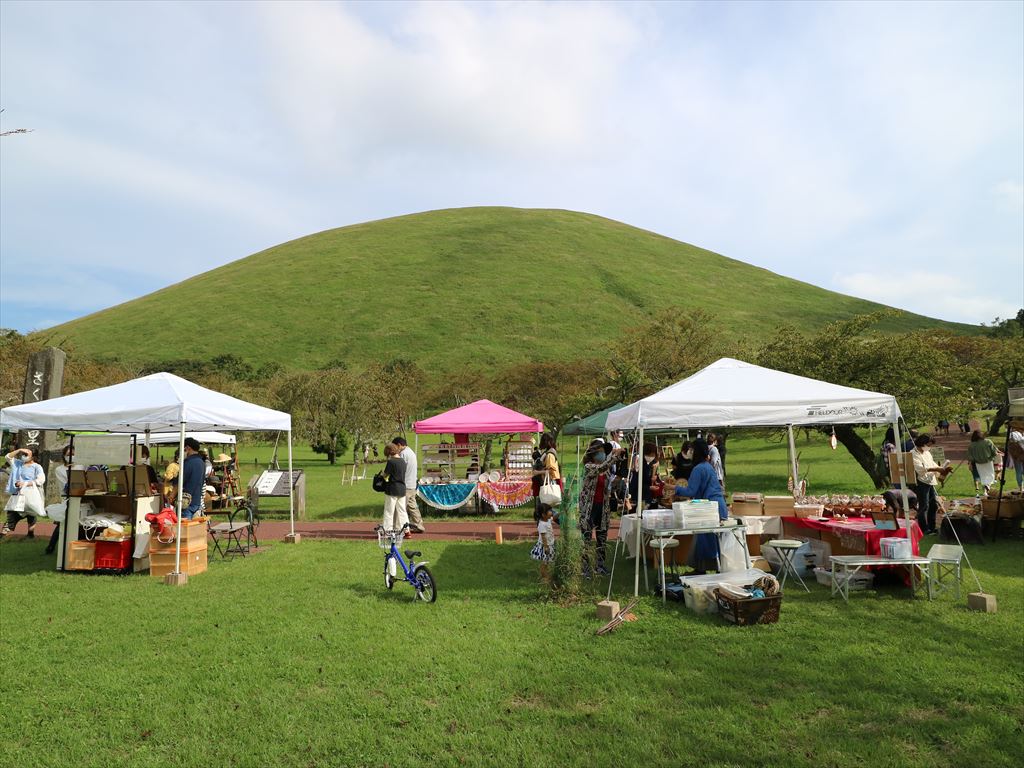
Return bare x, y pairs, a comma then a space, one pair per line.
181, 487
639, 510
291, 486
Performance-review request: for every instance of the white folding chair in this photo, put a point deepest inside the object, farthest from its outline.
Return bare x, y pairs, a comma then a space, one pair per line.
944, 561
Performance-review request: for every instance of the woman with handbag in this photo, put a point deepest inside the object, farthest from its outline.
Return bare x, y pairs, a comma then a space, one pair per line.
395, 513
545, 469
595, 495
27, 477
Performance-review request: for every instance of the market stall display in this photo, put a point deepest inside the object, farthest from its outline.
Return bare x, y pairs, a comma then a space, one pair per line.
733, 393
157, 403
453, 473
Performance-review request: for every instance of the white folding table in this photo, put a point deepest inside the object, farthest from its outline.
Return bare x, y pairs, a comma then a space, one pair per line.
845, 567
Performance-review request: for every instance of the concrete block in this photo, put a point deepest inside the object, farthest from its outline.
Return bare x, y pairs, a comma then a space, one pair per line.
607, 610
176, 579
981, 601
292, 538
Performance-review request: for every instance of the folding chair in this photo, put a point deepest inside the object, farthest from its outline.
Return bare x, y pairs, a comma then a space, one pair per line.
943, 561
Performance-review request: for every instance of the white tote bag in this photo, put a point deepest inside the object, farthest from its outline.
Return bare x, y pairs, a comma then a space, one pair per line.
15, 504
550, 493
33, 501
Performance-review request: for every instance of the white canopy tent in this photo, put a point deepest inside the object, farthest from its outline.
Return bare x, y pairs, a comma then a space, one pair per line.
732, 393
157, 403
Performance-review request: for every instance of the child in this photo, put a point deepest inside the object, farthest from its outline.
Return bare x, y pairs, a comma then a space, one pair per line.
544, 549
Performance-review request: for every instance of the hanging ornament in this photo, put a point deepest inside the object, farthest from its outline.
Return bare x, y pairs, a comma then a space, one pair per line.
833, 440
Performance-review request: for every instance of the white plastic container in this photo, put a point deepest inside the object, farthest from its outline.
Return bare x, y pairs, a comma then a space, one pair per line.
895, 547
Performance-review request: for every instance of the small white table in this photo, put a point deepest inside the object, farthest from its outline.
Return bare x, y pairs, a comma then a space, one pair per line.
738, 531
849, 565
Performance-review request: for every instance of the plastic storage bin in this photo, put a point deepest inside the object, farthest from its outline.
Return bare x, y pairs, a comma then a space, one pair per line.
895, 547
860, 580
113, 554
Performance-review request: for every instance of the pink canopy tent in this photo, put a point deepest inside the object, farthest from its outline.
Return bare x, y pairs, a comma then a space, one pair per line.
481, 417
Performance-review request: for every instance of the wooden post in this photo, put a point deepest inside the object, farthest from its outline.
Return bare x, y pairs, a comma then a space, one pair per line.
44, 378
497, 535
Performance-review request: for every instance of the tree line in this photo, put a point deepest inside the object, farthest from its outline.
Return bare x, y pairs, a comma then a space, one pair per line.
934, 374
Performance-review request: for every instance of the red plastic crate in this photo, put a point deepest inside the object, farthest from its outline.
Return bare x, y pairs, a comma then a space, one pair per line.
113, 554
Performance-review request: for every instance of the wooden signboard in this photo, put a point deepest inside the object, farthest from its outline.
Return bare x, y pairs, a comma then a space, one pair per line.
909, 473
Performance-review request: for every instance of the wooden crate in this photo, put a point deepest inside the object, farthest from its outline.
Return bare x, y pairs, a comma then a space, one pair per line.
193, 561
81, 556
193, 536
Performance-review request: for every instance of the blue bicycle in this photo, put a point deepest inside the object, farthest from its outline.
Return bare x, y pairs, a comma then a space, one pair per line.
416, 574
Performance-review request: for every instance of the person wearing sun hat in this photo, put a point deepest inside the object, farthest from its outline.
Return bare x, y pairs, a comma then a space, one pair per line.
595, 495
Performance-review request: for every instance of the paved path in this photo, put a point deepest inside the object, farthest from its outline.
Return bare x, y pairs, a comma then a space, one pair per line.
274, 530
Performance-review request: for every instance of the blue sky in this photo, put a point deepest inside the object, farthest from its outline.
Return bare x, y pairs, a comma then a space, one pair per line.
875, 149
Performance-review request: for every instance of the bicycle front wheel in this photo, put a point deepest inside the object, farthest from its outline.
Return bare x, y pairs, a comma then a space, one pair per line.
389, 580
426, 589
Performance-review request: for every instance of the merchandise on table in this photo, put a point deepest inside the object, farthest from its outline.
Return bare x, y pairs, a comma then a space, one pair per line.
695, 514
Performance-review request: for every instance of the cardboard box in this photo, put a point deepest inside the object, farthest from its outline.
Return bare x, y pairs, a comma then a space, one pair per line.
193, 561
779, 506
752, 508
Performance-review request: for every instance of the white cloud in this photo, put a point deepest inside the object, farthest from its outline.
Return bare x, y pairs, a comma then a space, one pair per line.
951, 297
517, 79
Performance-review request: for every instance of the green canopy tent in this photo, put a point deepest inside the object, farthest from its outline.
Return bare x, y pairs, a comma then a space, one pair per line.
592, 424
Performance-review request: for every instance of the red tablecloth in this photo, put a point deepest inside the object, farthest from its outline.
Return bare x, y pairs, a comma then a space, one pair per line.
863, 527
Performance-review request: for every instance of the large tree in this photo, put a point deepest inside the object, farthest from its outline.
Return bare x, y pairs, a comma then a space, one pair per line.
926, 378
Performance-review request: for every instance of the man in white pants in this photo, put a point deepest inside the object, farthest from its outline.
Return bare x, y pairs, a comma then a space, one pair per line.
411, 478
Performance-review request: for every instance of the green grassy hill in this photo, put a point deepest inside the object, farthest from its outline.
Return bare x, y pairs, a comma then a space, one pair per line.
451, 288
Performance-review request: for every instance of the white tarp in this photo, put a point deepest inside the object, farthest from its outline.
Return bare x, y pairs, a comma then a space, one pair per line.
160, 402
732, 393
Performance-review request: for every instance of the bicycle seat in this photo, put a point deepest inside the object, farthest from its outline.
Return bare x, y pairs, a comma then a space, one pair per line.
411, 553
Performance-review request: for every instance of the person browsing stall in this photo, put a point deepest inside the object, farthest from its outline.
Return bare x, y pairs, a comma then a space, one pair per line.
703, 484
648, 477
595, 496
545, 467
928, 475
193, 479
408, 455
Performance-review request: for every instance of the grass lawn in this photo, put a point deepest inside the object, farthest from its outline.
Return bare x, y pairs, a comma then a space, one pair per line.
298, 657
755, 461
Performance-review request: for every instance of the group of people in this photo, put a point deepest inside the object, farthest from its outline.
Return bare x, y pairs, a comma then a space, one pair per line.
400, 475
983, 458
606, 489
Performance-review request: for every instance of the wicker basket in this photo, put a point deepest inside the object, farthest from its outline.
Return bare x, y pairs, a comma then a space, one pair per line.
752, 610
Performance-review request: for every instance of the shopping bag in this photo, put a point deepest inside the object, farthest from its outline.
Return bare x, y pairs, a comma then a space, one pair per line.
33, 501
16, 503
550, 493
380, 482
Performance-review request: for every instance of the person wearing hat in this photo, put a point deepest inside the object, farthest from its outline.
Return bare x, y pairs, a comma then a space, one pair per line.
928, 475
595, 495
703, 484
